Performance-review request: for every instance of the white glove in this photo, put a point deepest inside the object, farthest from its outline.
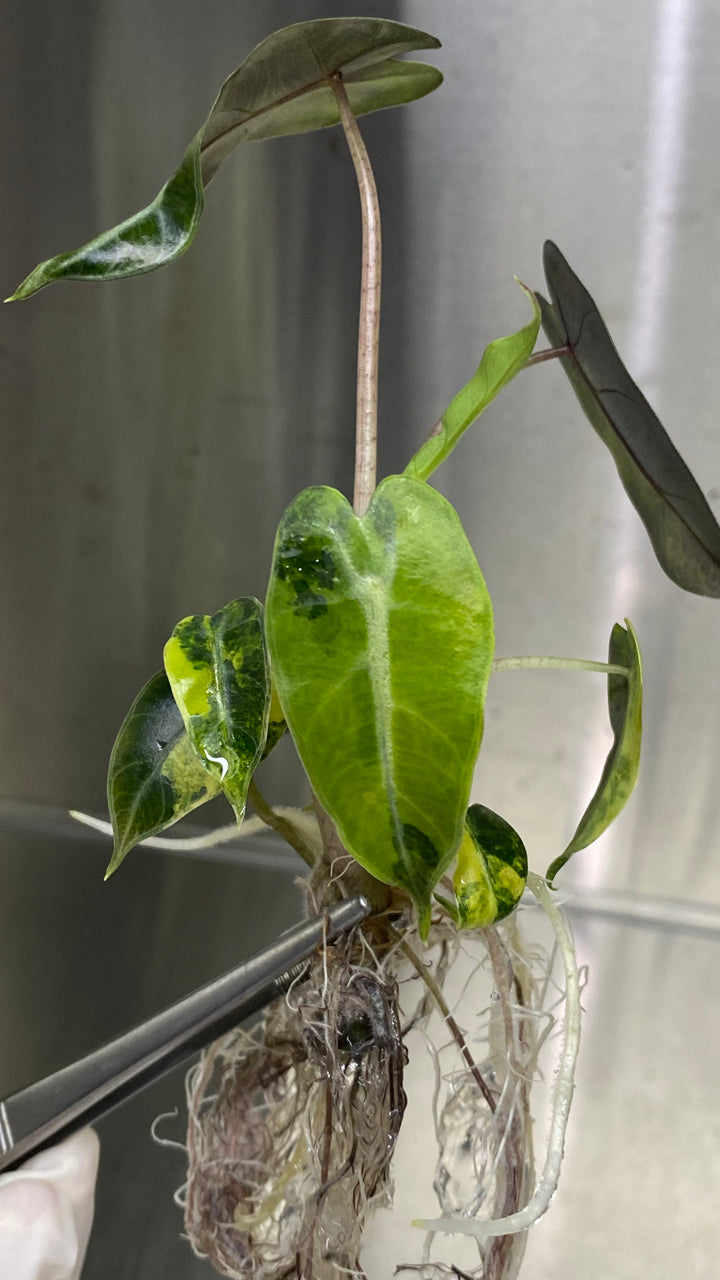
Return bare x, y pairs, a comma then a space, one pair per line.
46, 1211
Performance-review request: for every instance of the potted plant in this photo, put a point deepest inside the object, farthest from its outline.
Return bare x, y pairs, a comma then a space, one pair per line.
374, 648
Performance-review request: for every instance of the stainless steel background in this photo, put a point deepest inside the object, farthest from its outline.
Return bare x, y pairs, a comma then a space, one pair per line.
153, 431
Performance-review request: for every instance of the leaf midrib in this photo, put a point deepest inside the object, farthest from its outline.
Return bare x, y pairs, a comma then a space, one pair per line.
627, 448
322, 81
141, 793
659, 490
272, 106
373, 595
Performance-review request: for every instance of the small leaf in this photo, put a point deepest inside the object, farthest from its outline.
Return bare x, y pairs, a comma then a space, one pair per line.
621, 767
154, 776
491, 871
281, 88
380, 636
501, 361
218, 673
682, 528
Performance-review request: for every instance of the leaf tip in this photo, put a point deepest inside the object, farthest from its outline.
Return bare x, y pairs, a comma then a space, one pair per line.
119, 854
27, 287
238, 809
550, 251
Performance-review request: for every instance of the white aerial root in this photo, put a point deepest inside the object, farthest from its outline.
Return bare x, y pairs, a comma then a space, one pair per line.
220, 835
562, 1097
166, 1142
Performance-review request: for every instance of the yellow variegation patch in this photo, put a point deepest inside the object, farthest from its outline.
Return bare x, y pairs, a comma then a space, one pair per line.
218, 673
491, 870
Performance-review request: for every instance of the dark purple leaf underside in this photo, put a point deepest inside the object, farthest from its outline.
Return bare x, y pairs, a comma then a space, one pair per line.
681, 526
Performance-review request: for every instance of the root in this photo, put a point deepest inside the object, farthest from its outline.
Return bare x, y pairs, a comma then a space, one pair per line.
292, 1127
452, 1026
522, 1219
291, 1130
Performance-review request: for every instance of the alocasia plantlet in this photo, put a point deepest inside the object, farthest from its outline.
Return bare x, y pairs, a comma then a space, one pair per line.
374, 649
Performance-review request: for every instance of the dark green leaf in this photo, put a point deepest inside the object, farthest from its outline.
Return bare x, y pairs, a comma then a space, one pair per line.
621, 767
281, 88
218, 673
154, 776
682, 528
501, 361
380, 636
491, 871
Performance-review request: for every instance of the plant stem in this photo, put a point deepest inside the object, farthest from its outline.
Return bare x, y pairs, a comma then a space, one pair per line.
369, 324
283, 826
551, 353
355, 879
569, 664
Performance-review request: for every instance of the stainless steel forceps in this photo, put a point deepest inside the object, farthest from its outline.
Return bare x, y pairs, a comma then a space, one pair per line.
54, 1107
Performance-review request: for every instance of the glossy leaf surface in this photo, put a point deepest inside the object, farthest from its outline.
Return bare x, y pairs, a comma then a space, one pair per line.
380, 636
621, 767
154, 777
219, 676
682, 528
281, 88
491, 870
501, 361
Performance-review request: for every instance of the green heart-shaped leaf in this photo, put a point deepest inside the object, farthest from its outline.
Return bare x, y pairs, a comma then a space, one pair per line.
380, 636
501, 361
491, 870
281, 88
621, 767
218, 673
154, 776
683, 530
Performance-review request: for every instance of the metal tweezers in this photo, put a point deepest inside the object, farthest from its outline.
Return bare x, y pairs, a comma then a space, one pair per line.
52, 1108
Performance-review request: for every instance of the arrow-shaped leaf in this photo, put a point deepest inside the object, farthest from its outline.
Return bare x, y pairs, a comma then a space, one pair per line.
380, 636
218, 673
154, 777
282, 87
501, 361
682, 528
621, 767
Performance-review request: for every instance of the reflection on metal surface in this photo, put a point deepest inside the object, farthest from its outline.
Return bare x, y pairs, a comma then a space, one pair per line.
265, 849
671, 914
665, 158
